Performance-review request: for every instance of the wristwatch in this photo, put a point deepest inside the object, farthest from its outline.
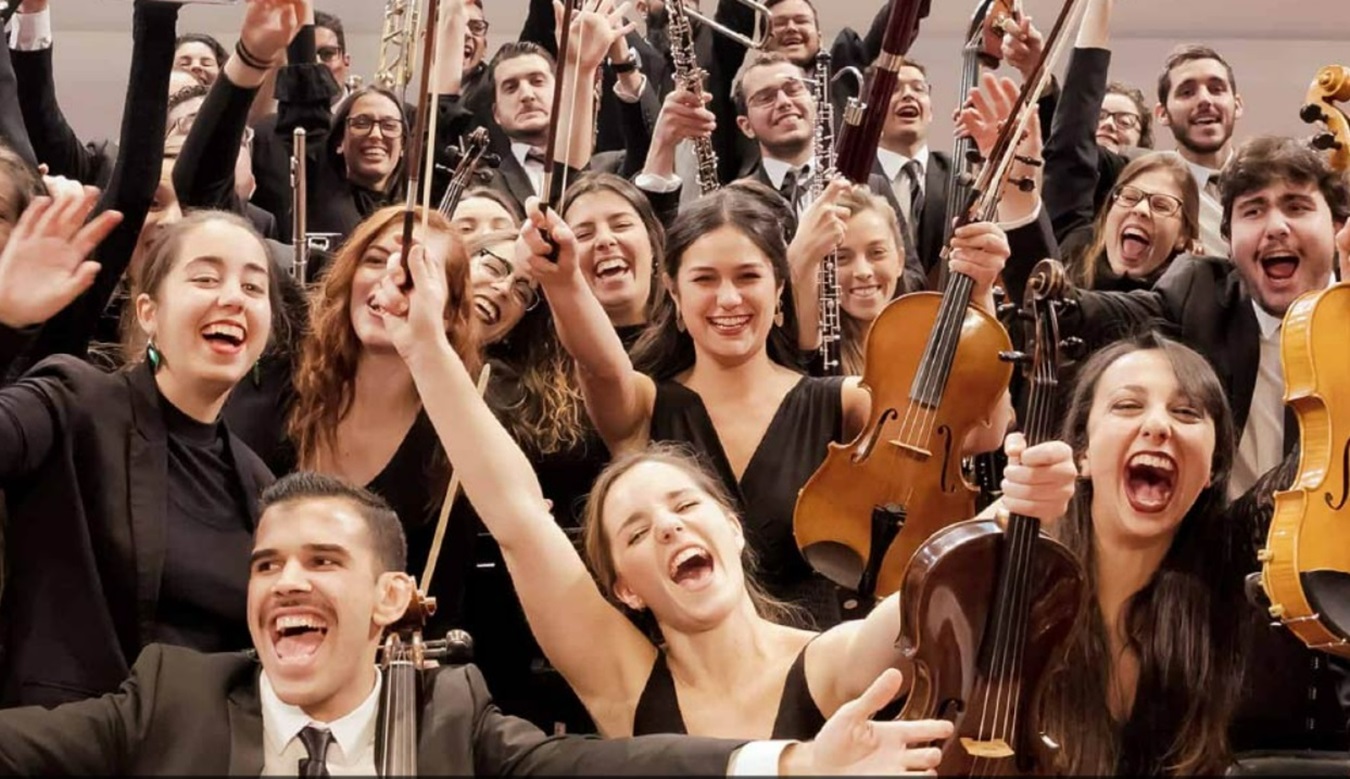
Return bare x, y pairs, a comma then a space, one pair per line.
626, 66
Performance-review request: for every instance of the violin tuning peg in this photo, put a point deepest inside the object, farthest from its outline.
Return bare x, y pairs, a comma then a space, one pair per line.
1005, 310
1068, 305
974, 157
965, 180
1312, 113
1000, 294
1073, 346
1325, 142
1034, 162
1016, 358
1024, 184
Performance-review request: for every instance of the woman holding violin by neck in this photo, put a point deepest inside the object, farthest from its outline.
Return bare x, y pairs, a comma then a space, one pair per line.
663, 536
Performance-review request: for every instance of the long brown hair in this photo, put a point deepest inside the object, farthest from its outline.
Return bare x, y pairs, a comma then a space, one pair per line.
600, 555
593, 183
1186, 625
325, 378
1086, 267
853, 345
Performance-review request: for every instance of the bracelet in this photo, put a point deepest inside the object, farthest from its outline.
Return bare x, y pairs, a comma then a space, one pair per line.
246, 57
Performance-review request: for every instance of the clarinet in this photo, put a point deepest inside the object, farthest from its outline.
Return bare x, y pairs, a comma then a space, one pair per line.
830, 334
299, 238
690, 76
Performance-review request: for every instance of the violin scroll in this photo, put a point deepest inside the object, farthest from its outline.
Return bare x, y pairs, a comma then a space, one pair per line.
1331, 84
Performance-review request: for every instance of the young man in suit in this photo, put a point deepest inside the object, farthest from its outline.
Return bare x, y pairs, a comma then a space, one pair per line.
917, 175
326, 580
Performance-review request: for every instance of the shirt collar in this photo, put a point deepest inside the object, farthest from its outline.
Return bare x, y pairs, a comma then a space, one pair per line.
1270, 324
1203, 174
894, 162
282, 722
520, 150
777, 170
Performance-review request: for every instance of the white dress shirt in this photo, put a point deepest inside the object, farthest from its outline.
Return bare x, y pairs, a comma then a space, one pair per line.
1211, 211
352, 752
1262, 445
893, 165
535, 170
31, 32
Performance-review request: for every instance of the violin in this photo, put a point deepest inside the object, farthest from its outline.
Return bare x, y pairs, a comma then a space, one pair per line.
471, 153
861, 516
1305, 565
986, 611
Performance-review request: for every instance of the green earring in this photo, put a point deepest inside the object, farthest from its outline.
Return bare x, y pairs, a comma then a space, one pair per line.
153, 356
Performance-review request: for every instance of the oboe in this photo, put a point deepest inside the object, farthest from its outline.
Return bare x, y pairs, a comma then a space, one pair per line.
299, 238
830, 335
690, 76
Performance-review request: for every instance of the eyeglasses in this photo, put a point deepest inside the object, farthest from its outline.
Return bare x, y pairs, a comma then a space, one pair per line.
500, 269
1158, 203
328, 53
363, 124
478, 27
1125, 120
791, 87
917, 87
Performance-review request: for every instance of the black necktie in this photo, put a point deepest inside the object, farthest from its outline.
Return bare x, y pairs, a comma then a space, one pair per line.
316, 743
534, 155
791, 189
913, 170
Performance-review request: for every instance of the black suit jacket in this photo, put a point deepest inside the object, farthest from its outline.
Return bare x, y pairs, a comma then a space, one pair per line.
183, 712
84, 463
933, 220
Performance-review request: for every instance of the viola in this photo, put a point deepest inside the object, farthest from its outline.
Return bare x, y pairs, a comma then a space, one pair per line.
869, 506
986, 611
1306, 561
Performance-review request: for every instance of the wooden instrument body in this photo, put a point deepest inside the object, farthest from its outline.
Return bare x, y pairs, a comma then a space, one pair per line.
1306, 562
832, 520
950, 591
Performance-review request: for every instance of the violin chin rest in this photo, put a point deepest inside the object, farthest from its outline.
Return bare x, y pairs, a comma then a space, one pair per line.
836, 561
1328, 592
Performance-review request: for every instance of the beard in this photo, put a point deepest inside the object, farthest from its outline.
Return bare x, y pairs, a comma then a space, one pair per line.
1181, 133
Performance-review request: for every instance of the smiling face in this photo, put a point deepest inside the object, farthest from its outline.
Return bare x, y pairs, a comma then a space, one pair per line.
475, 216
1117, 110
210, 315
1139, 237
475, 42
1201, 107
869, 264
372, 267
503, 289
318, 603
1283, 242
524, 87
675, 550
1150, 450
338, 62
727, 296
780, 110
911, 110
198, 59
794, 32
372, 143
615, 253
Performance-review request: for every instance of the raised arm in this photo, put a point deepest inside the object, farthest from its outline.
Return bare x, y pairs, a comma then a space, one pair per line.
821, 231
601, 654
618, 398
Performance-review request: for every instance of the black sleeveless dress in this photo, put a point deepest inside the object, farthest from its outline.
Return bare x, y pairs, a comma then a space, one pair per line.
794, 445
658, 710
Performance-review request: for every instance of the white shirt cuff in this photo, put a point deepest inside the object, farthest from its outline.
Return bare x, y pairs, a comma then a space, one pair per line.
651, 182
1008, 227
31, 32
757, 758
624, 94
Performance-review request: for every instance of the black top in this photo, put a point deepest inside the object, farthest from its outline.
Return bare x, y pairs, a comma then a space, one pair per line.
204, 590
658, 710
794, 445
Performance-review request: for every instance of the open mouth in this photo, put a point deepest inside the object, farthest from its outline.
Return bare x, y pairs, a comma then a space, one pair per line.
374, 153
1150, 479
489, 313
1206, 120
865, 291
612, 268
691, 567
791, 39
729, 325
296, 638
1279, 267
225, 337
908, 111
1135, 245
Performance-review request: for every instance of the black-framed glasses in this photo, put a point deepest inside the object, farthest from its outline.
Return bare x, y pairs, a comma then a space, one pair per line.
328, 53
1125, 120
390, 127
501, 269
791, 87
478, 27
1158, 203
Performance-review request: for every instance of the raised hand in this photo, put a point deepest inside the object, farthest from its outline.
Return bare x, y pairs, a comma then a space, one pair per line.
683, 115
269, 26
1038, 481
979, 250
851, 743
987, 107
416, 318
822, 226
532, 247
1023, 46
595, 28
43, 266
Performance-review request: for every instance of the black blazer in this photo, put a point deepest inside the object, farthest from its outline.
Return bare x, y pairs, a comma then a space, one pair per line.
933, 220
183, 712
84, 463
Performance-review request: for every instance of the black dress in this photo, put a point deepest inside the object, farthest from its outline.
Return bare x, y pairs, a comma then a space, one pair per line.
658, 710
794, 445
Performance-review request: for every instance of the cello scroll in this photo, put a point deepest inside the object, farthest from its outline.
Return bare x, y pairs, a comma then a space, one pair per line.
1331, 84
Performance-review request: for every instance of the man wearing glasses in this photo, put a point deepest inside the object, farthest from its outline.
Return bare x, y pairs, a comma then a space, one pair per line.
330, 43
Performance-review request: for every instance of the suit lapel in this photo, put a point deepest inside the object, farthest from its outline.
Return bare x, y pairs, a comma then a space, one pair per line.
931, 226
147, 496
246, 728
1242, 353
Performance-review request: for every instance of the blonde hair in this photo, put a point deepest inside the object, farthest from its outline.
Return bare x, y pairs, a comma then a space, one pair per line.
853, 344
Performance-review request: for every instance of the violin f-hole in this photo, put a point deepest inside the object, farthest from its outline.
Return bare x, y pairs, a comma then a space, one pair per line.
945, 433
1345, 479
866, 450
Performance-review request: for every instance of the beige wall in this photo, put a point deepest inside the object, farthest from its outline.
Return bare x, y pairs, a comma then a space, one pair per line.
1274, 47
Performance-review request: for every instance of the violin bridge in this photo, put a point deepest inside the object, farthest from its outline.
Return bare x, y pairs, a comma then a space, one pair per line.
917, 452
994, 748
